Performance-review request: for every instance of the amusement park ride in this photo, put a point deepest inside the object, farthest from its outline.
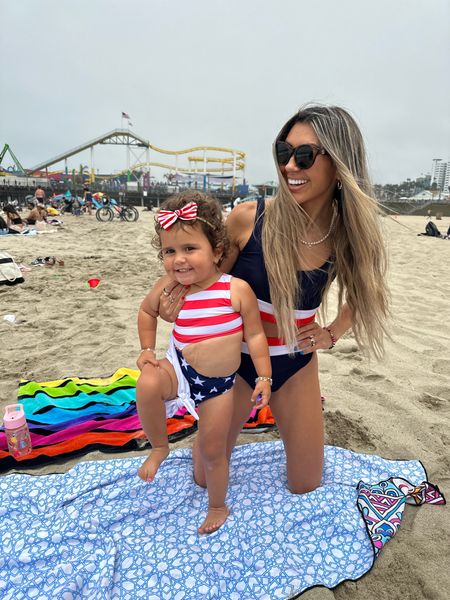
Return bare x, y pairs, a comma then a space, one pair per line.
141, 156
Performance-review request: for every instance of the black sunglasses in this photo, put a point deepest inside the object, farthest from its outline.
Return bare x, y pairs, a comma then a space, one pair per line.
304, 155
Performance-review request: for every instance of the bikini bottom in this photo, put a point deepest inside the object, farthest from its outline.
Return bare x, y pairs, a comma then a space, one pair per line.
283, 367
201, 387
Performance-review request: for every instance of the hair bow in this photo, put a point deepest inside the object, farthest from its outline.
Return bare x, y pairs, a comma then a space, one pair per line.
166, 218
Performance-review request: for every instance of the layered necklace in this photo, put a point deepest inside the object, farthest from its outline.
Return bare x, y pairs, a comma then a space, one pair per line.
322, 239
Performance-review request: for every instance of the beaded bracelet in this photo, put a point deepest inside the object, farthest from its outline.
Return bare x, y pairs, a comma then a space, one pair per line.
269, 379
147, 350
332, 336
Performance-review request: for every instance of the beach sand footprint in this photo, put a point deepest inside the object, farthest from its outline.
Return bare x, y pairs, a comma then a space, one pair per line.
441, 367
438, 397
366, 376
347, 433
348, 351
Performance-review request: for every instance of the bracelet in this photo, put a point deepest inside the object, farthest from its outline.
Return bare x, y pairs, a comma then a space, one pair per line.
332, 336
147, 350
269, 379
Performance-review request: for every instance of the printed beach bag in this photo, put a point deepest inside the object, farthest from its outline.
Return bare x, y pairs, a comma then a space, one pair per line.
10, 273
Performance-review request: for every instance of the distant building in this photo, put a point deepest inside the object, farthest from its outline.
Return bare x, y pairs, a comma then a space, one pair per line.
440, 174
420, 197
425, 196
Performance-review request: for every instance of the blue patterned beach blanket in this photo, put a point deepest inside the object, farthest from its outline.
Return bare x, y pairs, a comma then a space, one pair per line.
100, 532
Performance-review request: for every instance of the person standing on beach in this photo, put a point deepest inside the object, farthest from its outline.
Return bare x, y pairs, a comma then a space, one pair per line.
87, 197
39, 194
205, 347
322, 225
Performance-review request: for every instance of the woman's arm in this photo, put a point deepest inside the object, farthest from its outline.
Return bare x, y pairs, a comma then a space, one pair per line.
341, 324
312, 337
239, 225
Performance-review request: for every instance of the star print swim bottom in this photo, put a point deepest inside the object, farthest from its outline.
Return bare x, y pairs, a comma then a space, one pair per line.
202, 387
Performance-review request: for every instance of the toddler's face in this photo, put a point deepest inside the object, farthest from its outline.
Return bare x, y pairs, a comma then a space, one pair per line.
188, 256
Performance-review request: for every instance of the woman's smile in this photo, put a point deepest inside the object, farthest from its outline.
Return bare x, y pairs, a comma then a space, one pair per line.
296, 184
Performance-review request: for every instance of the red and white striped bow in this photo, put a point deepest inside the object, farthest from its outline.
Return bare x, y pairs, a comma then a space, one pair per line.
166, 218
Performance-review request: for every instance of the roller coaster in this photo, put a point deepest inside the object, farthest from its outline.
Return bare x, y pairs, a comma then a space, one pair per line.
196, 160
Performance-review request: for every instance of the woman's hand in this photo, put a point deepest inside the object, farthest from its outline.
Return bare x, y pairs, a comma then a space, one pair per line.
313, 337
171, 300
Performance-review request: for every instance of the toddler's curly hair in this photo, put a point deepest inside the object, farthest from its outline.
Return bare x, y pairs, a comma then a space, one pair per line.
209, 217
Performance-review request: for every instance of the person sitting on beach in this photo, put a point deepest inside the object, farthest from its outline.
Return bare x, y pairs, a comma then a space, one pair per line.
205, 345
322, 225
37, 213
431, 230
3, 226
14, 221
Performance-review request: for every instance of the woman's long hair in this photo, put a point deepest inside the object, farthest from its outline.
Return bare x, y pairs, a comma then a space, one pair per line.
360, 258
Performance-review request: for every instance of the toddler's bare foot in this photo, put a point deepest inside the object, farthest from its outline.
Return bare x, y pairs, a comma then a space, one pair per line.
151, 464
215, 518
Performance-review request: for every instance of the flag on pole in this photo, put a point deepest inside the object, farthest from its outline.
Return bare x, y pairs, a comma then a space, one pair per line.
125, 115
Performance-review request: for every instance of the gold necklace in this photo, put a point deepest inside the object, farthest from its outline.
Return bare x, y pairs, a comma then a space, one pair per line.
322, 239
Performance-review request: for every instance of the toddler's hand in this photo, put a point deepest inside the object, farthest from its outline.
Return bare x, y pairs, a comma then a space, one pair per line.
146, 358
261, 394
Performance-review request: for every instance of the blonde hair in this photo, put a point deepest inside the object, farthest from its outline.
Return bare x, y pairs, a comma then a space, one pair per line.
360, 262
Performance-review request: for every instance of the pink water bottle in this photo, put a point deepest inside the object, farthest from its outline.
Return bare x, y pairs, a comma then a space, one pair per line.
16, 430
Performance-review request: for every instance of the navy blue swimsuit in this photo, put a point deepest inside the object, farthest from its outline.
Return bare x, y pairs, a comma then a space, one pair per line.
250, 267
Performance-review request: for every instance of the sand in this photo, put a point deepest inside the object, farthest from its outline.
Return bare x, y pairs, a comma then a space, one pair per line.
397, 408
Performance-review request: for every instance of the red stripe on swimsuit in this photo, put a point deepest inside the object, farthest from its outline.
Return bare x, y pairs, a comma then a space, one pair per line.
277, 345
207, 314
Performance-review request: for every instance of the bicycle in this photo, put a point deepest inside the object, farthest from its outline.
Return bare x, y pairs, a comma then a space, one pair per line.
108, 209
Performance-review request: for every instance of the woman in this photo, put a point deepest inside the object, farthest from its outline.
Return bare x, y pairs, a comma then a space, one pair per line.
321, 225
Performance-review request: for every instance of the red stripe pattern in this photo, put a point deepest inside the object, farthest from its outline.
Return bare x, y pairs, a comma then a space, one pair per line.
207, 314
277, 345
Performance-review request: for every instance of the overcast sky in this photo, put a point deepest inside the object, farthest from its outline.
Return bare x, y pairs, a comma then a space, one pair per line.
225, 73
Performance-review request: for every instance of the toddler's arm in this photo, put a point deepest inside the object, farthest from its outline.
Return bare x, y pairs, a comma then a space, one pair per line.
244, 301
147, 324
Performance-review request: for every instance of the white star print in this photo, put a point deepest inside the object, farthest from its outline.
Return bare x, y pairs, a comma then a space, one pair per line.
213, 390
227, 379
198, 397
184, 363
198, 381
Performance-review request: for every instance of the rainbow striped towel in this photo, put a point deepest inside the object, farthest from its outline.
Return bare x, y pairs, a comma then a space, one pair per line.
73, 416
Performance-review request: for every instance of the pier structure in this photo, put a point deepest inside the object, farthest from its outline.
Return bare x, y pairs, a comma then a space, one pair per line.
141, 155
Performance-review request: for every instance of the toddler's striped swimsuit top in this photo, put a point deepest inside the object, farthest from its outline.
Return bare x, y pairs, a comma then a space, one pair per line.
207, 314
251, 268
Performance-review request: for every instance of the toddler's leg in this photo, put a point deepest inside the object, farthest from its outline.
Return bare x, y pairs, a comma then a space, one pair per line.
153, 387
215, 417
